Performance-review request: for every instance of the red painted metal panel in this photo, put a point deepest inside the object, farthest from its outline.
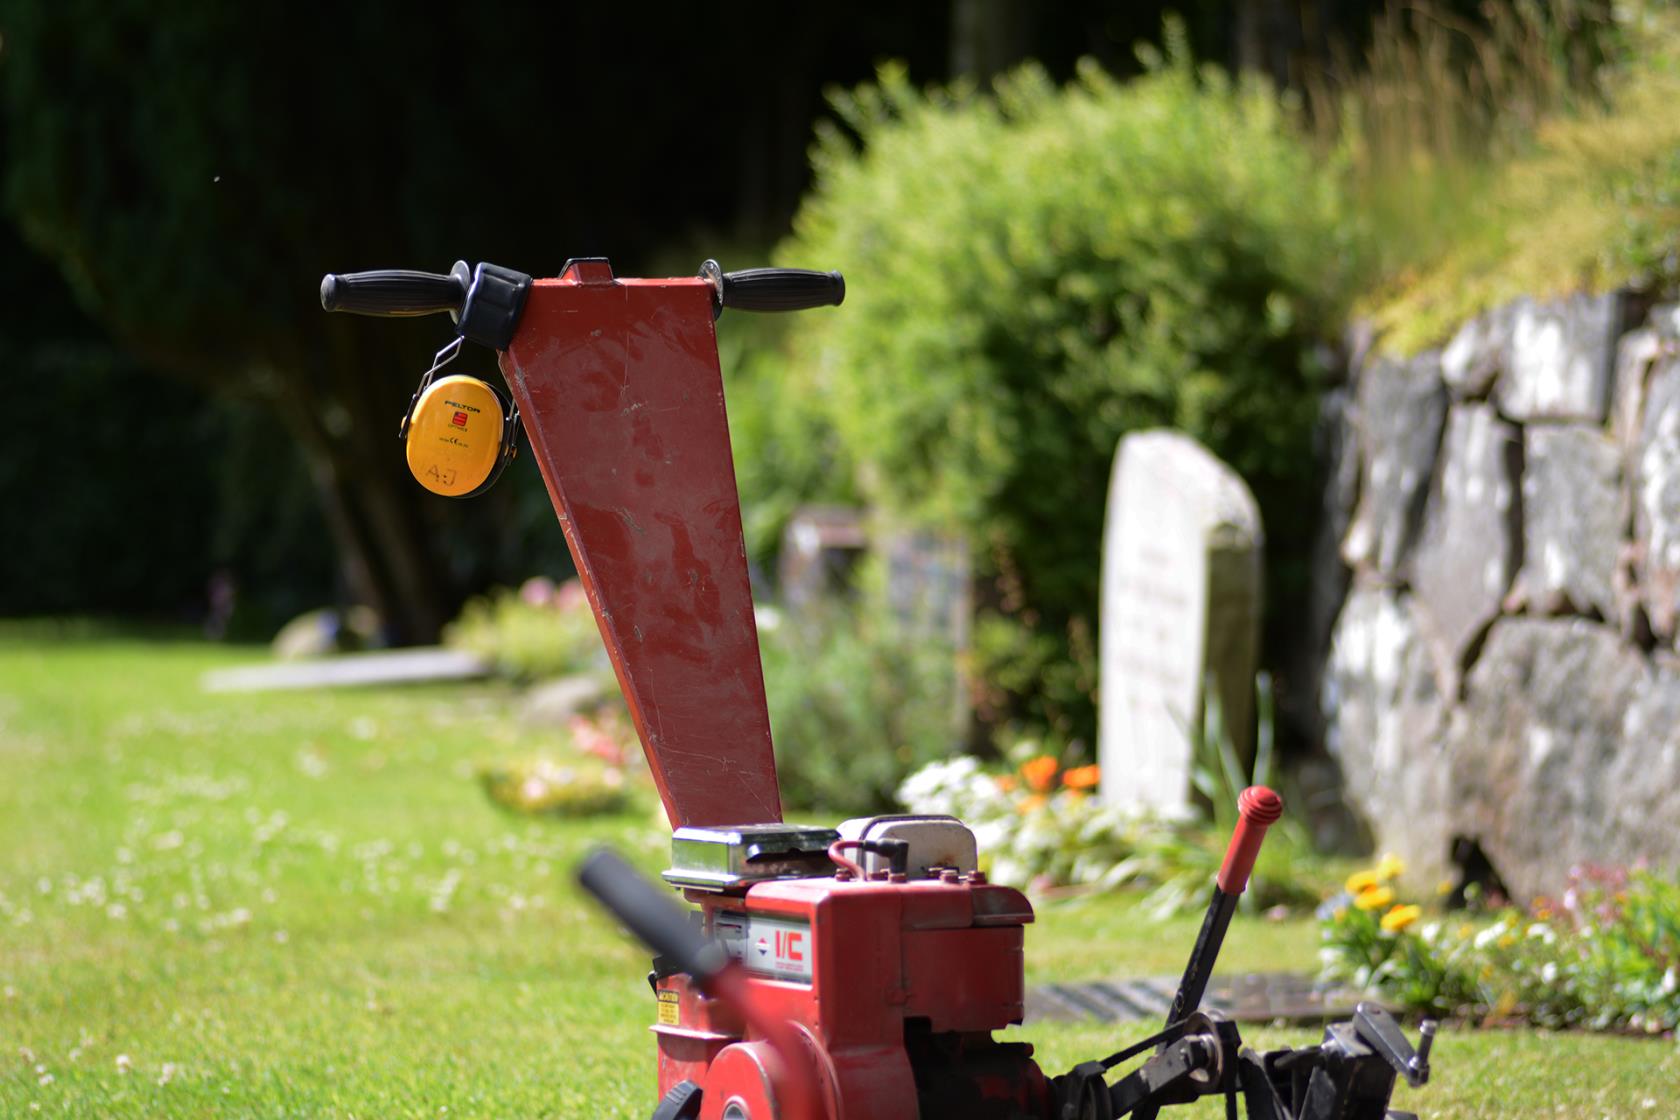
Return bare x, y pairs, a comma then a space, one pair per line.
884, 953
622, 400
965, 979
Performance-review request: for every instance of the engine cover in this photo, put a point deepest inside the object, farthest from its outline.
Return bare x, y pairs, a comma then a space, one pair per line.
897, 985
937, 843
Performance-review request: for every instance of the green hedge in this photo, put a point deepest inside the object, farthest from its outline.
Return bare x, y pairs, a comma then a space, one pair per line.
1034, 274
857, 703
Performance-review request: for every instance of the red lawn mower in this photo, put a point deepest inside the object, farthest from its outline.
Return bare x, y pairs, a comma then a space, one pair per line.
850, 973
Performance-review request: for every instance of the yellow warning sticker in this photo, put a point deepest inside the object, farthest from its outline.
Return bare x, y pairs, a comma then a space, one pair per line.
668, 1008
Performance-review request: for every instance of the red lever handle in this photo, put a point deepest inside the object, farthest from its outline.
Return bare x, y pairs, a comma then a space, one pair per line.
1258, 809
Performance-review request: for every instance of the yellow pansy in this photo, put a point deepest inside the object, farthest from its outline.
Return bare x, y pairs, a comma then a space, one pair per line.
1374, 899
1399, 917
1361, 881
1390, 867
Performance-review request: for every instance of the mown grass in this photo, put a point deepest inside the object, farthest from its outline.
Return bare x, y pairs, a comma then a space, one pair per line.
301, 905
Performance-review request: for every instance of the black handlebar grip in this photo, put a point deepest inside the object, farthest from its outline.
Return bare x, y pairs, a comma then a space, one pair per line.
396, 292
780, 289
649, 913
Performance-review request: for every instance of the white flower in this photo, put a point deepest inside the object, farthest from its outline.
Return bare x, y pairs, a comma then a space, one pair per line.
125, 1064
1489, 935
991, 835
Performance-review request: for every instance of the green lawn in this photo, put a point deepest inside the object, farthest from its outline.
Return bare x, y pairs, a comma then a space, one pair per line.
289, 905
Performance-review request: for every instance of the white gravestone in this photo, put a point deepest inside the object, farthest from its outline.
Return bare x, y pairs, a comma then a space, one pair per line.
1181, 583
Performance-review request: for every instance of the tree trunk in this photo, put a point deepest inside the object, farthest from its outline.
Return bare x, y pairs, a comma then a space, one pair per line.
1266, 38
988, 37
389, 562
390, 559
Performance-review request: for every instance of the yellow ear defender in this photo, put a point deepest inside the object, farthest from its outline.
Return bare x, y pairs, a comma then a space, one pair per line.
460, 431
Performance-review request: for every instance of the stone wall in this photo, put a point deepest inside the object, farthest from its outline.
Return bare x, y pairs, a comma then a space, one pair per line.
1503, 571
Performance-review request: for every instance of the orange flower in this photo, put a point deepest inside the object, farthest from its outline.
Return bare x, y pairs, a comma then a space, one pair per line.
1082, 777
1040, 773
1031, 802
1005, 782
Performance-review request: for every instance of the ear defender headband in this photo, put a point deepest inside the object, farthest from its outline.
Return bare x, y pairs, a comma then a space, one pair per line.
461, 432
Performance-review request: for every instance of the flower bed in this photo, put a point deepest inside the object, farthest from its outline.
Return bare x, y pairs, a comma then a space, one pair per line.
1042, 828
1603, 955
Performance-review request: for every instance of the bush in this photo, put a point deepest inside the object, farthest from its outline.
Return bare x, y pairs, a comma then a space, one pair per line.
541, 630
540, 786
595, 780
1031, 276
857, 702
1605, 956
1443, 99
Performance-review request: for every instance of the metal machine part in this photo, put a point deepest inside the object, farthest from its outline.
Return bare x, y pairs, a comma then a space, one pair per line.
1340, 1079
936, 844
732, 859
814, 986
897, 985
890, 988
620, 394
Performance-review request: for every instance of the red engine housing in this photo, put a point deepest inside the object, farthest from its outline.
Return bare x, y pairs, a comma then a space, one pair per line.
896, 986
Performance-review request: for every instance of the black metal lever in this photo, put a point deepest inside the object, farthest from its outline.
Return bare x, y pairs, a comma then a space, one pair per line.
773, 289
1377, 1029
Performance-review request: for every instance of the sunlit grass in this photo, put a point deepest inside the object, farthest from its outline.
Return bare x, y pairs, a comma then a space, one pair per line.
303, 905
291, 905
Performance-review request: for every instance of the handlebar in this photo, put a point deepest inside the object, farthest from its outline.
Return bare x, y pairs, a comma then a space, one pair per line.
773, 289
396, 292
486, 300
650, 914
